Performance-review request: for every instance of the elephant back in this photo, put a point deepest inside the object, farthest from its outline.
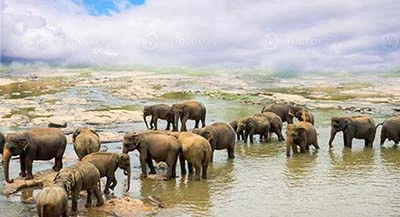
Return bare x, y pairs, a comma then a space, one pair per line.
89, 175
102, 161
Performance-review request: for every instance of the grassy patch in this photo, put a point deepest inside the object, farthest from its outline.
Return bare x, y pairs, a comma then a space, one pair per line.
110, 108
25, 112
229, 96
157, 87
177, 95
20, 90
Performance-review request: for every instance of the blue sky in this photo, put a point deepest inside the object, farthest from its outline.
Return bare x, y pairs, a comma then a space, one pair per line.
276, 35
104, 7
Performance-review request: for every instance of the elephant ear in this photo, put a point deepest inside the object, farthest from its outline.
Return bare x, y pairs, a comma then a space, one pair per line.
291, 113
94, 132
250, 123
23, 143
300, 130
76, 133
208, 135
344, 123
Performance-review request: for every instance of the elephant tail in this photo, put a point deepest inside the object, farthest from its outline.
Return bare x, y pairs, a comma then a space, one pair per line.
376, 127
41, 211
207, 157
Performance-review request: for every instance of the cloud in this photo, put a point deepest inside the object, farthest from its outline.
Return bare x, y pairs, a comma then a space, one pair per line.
279, 35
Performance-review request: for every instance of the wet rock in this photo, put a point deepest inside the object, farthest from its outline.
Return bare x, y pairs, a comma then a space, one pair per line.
57, 123
155, 201
122, 207
41, 179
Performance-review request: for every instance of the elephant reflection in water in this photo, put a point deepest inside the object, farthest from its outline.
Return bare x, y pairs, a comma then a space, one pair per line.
350, 159
300, 167
390, 158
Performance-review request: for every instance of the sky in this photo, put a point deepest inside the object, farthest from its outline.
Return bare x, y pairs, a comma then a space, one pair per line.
276, 35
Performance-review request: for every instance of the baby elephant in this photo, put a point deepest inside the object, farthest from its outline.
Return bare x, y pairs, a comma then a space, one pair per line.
390, 130
107, 163
197, 151
256, 124
52, 201
85, 141
301, 134
359, 127
79, 177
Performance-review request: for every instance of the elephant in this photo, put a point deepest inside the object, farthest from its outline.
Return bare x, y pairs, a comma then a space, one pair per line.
34, 144
52, 201
192, 110
276, 124
2, 141
158, 111
359, 127
282, 110
157, 146
85, 141
234, 125
196, 150
302, 115
221, 136
107, 163
390, 130
301, 134
80, 177
256, 124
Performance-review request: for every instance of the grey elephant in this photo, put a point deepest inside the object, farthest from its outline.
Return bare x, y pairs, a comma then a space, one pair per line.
192, 110
234, 125
80, 177
283, 111
302, 114
2, 141
359, 127
52, 201
158, 111
301, 134
157, 146
390, 130
34, 144
221, 136
85, 141
276, 124
255, 124
107, 163
196, 150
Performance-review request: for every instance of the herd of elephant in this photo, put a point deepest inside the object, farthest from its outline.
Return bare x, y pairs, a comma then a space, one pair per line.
196, 147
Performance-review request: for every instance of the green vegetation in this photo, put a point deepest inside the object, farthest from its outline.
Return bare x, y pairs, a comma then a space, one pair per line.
123, 107
177, 95
25, 112
20, 90
230, 96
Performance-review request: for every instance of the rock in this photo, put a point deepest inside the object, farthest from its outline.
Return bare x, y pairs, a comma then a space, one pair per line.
41, 179
123, 207
155, 201
57, 123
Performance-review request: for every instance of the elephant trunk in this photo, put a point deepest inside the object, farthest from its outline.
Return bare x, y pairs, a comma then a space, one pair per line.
128, 174
6, 160
176, 119
333, 134
145, 121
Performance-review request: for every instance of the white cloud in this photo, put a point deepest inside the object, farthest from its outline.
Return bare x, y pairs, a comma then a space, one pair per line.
280, 35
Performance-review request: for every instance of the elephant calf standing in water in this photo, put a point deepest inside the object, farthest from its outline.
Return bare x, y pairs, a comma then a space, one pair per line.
85, 141
390, 130
221, 136
302, 114
359, 127
192, 110
301, 134
79, 177
153, 145
34, 144
234, 125
158, 111
52, 201
255, 124
196, 150
276, 124
107, 163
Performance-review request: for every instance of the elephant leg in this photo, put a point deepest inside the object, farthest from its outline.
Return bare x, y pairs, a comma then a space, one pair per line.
89, 198
108, 182
152, 122
57, 164
190, 167
143, 164
251, 135
113, 183
369, 143
155, 123
74, 203
28, 166
303, 147
99, 198
212, 155
197, 167
231, 151
316, 146
168, 125
203, 121
294, 148
383, 137
65, 212
183, 122
151, 166
182, 163
204, 170
171, 162
197, 122
22, 157
348, 140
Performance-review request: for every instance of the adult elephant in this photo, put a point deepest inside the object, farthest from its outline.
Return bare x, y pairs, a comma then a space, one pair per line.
221, 136
158, 111
302, 115
283, 111
359, 127
255, 124
34, 144
192, 110
157, 146
79, 177
52, 201
107, 163
276, 124
196, 150
390, 130
301, 134
2, 141
85, 141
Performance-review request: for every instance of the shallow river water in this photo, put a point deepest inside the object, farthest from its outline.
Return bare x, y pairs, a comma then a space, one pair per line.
261, 180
